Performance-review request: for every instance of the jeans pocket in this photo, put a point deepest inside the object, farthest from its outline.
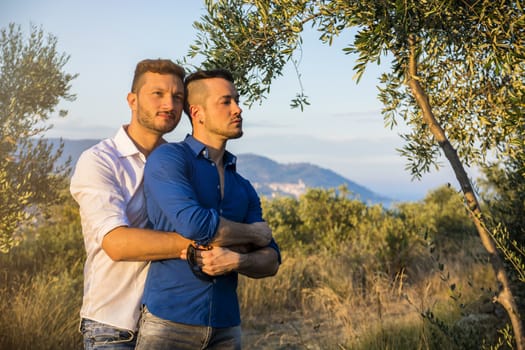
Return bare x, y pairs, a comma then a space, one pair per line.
98, 335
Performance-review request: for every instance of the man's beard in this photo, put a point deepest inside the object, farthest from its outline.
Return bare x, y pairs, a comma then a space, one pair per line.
148, 122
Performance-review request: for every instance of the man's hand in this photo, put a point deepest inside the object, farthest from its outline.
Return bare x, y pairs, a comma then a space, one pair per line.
218, 261
240, 248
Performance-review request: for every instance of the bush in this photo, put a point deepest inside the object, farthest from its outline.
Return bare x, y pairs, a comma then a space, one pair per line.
42, 280
352, 276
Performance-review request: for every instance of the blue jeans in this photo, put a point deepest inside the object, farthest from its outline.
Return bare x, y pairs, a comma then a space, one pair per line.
158, 334
98, 336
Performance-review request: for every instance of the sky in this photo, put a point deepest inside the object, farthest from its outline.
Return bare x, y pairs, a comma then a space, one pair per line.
341, 130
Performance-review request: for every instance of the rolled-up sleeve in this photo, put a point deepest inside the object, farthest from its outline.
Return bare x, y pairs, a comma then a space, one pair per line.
254, 209
171, 201
101, 201
255, 213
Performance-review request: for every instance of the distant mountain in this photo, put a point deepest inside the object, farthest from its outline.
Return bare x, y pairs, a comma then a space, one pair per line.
73, 148
267, 176
272, 179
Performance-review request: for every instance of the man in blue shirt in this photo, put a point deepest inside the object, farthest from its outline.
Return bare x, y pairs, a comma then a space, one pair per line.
192, 187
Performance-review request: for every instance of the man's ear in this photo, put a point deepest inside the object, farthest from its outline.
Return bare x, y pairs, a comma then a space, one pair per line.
196, 114
132, 100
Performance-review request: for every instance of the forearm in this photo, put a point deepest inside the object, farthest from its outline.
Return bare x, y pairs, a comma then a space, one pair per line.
218, 261
136, 244
258, 264
231, 233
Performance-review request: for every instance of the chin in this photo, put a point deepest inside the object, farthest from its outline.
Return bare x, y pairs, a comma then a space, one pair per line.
237, 135
170, 127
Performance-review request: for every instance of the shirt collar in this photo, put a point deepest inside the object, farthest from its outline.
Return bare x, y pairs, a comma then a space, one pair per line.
124, 144
200, 149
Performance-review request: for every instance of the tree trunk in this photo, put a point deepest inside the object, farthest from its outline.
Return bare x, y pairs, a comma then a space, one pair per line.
504, 297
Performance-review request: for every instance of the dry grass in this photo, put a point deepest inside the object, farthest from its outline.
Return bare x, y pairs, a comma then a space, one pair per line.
316, 301
41, 314
321, 302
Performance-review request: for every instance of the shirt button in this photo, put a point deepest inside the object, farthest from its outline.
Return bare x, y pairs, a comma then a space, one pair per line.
212, 164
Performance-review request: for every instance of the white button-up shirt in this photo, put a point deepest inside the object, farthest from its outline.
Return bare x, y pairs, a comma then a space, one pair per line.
107, 184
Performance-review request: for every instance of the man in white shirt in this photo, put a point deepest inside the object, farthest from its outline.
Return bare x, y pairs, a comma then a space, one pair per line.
107, 184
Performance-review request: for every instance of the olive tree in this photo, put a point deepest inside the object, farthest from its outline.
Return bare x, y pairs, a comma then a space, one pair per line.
456, 76
32, 83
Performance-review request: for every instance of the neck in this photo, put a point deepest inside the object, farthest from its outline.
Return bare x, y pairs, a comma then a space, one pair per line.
216, 147
145, 141
216, 155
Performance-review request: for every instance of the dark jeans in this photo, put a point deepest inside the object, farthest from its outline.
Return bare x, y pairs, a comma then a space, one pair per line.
159, 334
100, 336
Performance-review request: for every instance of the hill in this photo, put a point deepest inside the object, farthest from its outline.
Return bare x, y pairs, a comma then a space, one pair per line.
73, 148
267, 176
272, 179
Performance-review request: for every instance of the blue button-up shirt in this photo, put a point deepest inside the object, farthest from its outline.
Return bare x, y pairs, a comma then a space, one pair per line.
183, 194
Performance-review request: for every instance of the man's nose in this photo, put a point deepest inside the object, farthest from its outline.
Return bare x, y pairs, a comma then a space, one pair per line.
237, 108
168, 102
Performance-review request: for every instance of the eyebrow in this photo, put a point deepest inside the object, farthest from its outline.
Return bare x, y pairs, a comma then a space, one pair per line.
158, 87
235, 97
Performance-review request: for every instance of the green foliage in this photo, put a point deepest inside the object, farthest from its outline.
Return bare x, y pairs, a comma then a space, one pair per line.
283, 217
318, 220
472, 336
32, 83
329, 221
251, 38
450, 215
469, 62
505, 341
329, 217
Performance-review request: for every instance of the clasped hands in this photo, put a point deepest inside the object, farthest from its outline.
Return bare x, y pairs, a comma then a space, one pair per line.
214, 260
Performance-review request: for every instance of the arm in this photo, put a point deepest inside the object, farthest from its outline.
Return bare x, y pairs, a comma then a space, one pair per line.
260, 263
232, 233
174, 203
105, 222
134, 244
254, 263
257, 233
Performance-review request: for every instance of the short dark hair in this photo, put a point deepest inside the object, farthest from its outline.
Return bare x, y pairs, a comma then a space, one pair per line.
160, 66
201, 75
